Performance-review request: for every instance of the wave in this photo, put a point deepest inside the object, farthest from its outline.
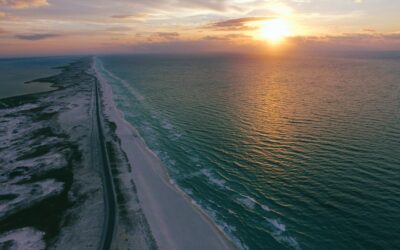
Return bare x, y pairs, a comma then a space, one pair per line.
112, 77
222, 226
247, 201
158, 123
278, 228
214, 180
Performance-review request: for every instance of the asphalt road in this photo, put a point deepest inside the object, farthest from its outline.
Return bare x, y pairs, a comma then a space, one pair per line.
108, 185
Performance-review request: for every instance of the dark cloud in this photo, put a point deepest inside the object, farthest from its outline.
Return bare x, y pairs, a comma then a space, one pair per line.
118, 29
139, 16
22, 4
227, 37
236, 24
349, 38
353, 37
121, 16
35, 37
214, 38
152, 37
168, 35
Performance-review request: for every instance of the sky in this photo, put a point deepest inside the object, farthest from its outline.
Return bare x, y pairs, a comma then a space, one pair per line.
52, 27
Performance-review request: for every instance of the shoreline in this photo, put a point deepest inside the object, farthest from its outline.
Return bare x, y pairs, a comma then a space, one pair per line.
175, 221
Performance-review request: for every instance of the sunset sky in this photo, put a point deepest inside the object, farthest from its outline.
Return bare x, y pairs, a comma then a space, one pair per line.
36, 27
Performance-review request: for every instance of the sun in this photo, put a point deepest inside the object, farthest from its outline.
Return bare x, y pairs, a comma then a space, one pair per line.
274, 30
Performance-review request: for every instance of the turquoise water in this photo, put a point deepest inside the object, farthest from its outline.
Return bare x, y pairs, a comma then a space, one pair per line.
283, 153
15, 72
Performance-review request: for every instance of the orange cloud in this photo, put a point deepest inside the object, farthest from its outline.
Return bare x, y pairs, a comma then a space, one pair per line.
22, 4
6, 16
158, 36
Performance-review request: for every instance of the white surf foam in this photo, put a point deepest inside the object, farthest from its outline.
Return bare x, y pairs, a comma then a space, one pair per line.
247, 201
227, 229
214, 180
277, 224
279, 234
265, 208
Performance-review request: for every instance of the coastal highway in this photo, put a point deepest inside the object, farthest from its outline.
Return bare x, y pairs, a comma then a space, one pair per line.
108, 185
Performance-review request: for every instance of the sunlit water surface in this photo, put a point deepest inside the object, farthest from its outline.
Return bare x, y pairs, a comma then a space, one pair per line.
281, 153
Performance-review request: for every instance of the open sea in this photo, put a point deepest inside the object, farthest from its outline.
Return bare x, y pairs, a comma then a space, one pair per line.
283, 153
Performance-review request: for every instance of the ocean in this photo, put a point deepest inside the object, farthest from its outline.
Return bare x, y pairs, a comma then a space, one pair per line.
282, 152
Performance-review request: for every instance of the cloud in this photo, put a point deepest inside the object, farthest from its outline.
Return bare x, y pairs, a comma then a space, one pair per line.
348, 42
153, 37
131, 17
123, 16
391, 36
183, 47
221, 5
168, 35
35, 37
229, 43
22, 4
118, 28
236, 24
6, 16
369, 30
350, 37
228, 37
368, 35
